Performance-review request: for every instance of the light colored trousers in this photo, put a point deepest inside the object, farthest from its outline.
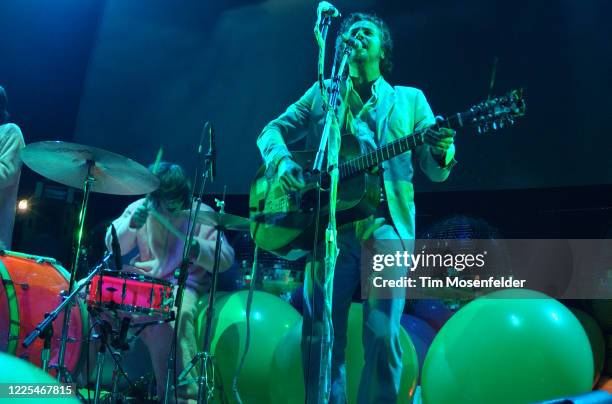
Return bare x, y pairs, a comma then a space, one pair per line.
381, 374
158, 339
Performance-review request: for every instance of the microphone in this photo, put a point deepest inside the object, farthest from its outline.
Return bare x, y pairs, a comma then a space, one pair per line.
328, 9
212, 152
352, 42
116, 248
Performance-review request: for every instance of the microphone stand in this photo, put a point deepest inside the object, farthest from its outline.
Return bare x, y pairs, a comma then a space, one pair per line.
45, 354
183, 271
331, 248
41, 328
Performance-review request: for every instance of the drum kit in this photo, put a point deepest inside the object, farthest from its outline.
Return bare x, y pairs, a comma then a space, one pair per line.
39, 299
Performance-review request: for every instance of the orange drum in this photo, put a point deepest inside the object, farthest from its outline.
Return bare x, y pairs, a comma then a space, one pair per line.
31, 287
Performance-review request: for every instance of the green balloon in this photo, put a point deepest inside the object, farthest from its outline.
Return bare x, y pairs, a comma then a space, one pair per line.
511, 346
271, 318
596, 339
18, 371
287, 371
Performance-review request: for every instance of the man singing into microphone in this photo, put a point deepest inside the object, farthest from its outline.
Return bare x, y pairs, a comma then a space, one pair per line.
152, 226
376, 113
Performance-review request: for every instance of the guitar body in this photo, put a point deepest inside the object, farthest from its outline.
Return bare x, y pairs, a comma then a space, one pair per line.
284, 223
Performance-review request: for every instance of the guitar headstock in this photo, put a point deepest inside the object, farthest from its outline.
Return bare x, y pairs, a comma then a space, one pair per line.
496, 113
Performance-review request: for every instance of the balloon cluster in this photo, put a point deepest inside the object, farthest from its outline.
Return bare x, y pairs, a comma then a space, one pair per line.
510, 346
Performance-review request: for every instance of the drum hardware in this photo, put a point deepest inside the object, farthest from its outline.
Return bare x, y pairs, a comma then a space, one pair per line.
105, 330
9, 282
120, 344
66, 304
95, 170
45, 354
142, 326
222, 222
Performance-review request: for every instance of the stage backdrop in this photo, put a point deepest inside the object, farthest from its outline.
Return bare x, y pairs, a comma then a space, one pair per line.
160, 69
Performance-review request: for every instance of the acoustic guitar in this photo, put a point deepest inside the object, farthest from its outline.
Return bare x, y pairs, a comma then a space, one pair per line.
284, 222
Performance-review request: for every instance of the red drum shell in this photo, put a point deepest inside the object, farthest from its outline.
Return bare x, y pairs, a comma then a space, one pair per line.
31, 287
131, 293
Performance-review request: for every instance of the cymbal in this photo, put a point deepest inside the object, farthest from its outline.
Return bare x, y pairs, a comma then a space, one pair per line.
66, 163
223, 220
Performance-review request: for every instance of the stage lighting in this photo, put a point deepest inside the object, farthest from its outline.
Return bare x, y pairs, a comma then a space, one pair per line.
23, 206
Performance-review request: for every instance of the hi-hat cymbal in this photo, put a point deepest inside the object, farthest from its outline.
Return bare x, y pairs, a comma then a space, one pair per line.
225, 221
67, 163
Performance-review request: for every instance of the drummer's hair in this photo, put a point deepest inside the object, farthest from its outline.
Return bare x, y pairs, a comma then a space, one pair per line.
4, 115
173, 184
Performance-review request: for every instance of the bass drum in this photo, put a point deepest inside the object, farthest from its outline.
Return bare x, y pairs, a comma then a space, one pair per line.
31, 287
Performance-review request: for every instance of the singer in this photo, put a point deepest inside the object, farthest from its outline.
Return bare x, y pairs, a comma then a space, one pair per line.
375, 112
160, 247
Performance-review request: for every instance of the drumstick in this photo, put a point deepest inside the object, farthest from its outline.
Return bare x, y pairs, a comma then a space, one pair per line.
158, 158
160, 218
166, 223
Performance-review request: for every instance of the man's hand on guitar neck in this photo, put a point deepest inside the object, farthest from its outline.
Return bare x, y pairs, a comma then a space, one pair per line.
439, 141
289, 174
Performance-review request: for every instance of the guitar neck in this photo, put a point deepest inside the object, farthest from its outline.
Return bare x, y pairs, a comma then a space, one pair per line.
488, 115
392, 149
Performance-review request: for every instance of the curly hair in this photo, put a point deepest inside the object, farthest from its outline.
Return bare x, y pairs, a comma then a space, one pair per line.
4, 115
173, 184
386, 65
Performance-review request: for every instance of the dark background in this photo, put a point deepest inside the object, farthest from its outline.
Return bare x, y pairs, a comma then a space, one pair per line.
131, 76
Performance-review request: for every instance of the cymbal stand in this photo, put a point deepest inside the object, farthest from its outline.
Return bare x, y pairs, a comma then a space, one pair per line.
207, 357
183, 272
62, 372
206, 379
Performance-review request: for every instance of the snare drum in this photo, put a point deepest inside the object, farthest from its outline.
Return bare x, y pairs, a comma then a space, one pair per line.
131, 293
31, 286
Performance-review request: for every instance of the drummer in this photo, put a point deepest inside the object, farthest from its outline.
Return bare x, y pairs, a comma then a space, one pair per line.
152, 228
11, 142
